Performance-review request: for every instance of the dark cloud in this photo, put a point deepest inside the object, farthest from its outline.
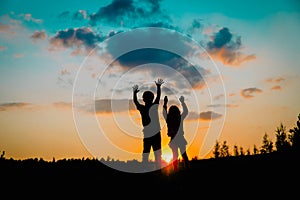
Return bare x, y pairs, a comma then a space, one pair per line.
76, 38
176, 58
222, 38
249, 92
209, 115
224, 48
129, 13
196, 24
179, 64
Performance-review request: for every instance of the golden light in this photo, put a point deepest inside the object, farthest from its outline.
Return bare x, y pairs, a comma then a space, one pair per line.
167, 154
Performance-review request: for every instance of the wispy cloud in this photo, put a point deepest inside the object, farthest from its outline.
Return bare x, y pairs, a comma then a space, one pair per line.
113, 105
18, 55
209, 115
276, 82
2, 48
13, 106
276, 87
62, 104
249, 92
38, 35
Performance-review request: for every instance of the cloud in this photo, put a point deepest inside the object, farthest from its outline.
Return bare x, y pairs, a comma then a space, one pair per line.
38, 35
18, 55
65, 72
209, 115
62, 104
203, 116
65, 14
80, 15
13, 106
28, 17
275, 80
224, 48
129, 13
222, 105
248, 92
276, 87
113, 105
75, 38
2, 48
5, 28
192, 116
179, 64
220, 96
122, 105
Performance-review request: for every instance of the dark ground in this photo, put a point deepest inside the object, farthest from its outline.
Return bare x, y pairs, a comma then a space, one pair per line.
245, 177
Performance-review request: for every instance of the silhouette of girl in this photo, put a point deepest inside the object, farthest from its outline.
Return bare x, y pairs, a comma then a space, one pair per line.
174, 120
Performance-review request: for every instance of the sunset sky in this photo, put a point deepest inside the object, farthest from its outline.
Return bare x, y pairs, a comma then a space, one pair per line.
67, 69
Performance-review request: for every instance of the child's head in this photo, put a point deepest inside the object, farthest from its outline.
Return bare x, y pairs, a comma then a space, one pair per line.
174, 110
148, 97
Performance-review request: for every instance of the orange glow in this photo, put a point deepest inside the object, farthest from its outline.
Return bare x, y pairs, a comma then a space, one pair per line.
167, 155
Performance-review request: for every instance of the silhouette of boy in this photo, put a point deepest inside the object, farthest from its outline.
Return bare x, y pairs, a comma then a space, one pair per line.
174, 121
150, 122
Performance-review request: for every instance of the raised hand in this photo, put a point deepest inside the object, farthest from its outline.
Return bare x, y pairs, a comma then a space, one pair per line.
159, 82
165, 100
135, 88
181, 99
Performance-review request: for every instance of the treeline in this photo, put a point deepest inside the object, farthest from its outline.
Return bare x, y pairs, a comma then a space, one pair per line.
287, 141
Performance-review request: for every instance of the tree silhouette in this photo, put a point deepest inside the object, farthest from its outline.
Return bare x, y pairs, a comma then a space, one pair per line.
255, 150
242, 151
248, 153
294, 136
236, 150
216, 151
2, 155
224, 151
282, 143
267, 146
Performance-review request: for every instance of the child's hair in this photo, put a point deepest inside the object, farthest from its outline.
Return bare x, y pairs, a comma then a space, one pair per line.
173, 120
148, 96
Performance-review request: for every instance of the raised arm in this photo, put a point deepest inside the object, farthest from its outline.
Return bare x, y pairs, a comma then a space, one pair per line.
135, 90
185, 110
165, 107
158, 83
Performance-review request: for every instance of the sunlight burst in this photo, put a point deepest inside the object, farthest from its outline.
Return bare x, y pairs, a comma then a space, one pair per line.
167, 155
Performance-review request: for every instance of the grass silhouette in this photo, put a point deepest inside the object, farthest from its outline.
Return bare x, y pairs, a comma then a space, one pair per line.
251, 175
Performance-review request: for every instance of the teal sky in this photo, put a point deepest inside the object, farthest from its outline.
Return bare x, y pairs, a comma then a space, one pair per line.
254, 46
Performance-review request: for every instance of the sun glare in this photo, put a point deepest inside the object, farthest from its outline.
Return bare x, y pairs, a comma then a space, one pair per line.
167, 155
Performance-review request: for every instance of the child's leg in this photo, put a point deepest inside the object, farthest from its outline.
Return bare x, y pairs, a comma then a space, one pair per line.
146, 150
185, 157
